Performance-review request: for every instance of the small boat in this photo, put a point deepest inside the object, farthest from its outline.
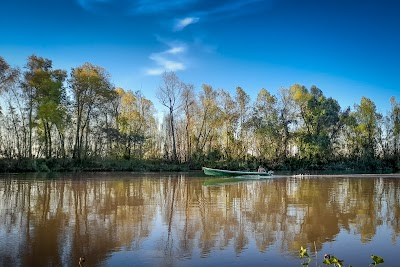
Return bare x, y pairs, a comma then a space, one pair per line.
219, 172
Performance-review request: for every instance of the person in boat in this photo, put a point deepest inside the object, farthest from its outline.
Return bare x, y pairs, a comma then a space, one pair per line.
261, 169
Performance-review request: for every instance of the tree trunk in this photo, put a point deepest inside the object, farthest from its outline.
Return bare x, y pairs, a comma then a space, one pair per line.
30, 129
174, 155
76, 154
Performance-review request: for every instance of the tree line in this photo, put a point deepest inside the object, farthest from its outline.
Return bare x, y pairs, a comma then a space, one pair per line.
54, 117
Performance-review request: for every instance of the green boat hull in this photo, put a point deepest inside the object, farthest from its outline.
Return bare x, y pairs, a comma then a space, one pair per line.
227, 173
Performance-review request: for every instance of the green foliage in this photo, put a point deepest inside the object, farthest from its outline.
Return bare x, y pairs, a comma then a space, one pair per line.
42, 167
332, 260
92, 165
92, 92
104, 127
8, 75
377, 260
304, 255
365, 128
321, 119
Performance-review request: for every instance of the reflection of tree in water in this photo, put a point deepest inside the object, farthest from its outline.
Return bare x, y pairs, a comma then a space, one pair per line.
68, 219
391, 203
57, 221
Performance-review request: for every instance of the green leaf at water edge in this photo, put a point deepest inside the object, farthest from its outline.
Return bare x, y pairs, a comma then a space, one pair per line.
377, 260
333, 260
303, 253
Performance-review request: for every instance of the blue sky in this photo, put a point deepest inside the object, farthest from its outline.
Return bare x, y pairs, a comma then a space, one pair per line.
348, 48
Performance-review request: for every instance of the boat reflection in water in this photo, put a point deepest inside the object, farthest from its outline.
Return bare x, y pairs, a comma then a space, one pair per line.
174, 220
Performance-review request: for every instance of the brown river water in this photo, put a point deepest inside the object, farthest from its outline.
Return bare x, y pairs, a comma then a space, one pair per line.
175, 219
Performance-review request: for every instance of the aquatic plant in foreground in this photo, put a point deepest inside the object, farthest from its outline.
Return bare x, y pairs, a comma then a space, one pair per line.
332, 260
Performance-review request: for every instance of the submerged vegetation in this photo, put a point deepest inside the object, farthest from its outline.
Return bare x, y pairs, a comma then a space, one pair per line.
52, 120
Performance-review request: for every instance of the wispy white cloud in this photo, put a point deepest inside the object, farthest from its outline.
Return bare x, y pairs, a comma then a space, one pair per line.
183, 23
171, 59
228, 8
136, 6
181, 14
176, 50
194, 9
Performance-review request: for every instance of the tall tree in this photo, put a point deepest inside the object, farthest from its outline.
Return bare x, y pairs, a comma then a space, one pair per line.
394, 118
91, 88
8, 75
242, 100
320, 121
208, 122
46, 99
128, 117
287, 121
230, 117
168, 94
265, 125
188, 105
8, 79
365, 126
146, 124
29, 89
135, 121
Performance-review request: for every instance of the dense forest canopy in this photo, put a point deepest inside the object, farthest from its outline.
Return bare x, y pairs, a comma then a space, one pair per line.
48, 113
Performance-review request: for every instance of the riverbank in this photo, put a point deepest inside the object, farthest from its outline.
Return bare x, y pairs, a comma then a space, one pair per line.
72, 165
294, 167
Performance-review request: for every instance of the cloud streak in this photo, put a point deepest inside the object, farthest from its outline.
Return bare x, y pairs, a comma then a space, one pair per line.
180, 14
135, 7
168, 60
190, 10
183, 23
